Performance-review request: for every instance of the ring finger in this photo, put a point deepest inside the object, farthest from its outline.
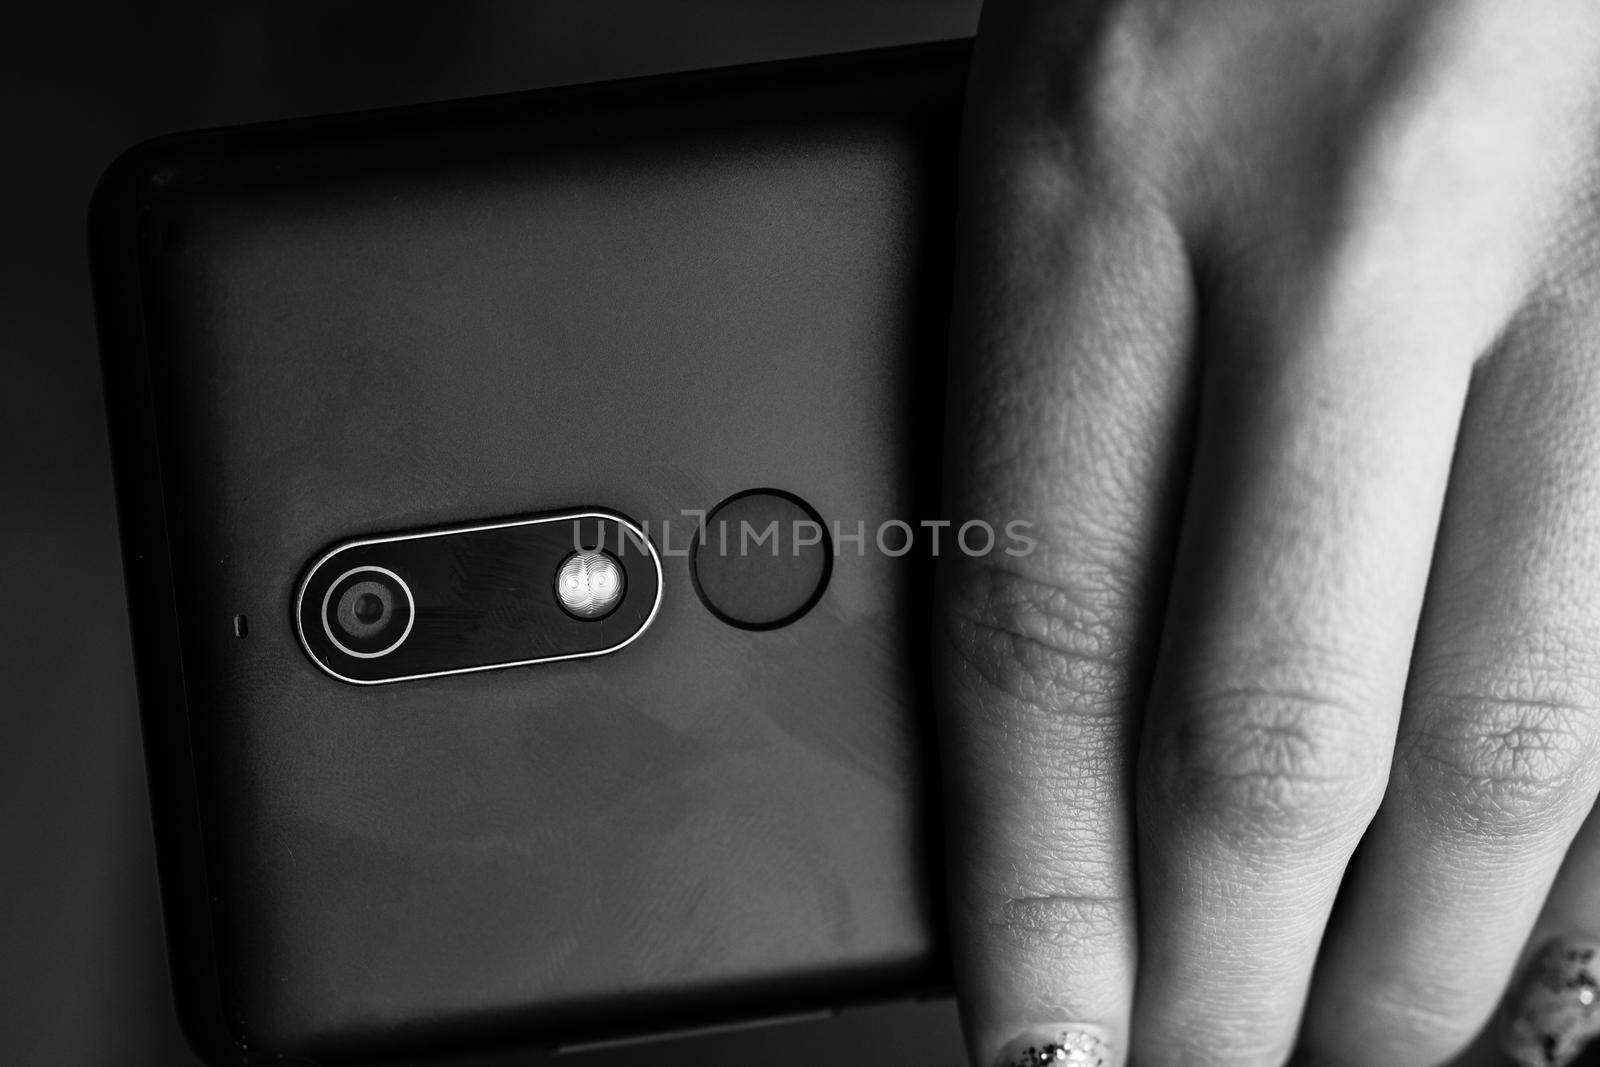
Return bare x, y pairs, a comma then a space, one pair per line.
1495, 769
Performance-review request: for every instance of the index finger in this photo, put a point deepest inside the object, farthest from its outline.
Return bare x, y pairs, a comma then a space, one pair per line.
1069, 395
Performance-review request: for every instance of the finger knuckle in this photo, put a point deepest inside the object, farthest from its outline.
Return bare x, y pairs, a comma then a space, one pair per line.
1410, 1023
1269, 762
1058, 897
1108, 111
1226, 1042
1062, 926
1505, 762
1052, 643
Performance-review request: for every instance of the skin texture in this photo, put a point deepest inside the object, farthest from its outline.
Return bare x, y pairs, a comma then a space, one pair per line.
1279, 322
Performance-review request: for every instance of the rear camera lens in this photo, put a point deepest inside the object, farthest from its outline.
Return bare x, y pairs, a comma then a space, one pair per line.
367, 612
370, 607
365, 609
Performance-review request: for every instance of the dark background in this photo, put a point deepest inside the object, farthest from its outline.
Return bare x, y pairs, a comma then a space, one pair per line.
82, 979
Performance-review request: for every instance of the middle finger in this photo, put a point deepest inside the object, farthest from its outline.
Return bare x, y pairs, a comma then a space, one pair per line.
1324, 449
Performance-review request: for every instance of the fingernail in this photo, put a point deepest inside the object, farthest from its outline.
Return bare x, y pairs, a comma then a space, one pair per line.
1057, 1046
1553, 1009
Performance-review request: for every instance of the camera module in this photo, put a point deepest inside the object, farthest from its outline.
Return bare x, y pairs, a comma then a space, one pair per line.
367, 612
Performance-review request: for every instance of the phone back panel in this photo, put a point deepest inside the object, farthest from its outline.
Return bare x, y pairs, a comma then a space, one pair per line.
644, 297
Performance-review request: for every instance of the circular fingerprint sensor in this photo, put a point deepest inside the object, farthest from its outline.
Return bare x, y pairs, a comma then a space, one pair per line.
763, 559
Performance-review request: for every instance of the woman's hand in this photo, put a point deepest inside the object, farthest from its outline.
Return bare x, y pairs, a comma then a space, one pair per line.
1279, 320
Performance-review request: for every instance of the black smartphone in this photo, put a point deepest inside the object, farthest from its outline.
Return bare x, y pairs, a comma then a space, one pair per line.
525, 507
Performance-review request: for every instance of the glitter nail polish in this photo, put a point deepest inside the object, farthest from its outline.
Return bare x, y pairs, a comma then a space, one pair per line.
1065, 1046
1553, 1009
